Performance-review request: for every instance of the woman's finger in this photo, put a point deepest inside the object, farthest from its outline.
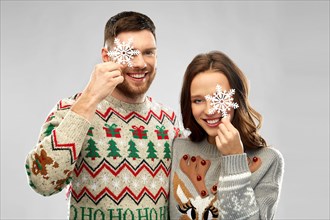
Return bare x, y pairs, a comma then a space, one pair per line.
222, 138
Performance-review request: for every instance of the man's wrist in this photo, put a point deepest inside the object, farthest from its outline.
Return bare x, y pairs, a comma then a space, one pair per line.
85, 106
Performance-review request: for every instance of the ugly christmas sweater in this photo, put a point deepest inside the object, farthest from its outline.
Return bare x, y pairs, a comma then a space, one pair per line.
116, 167
206, 185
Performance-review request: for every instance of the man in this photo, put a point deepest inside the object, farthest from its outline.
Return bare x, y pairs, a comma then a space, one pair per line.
111, 144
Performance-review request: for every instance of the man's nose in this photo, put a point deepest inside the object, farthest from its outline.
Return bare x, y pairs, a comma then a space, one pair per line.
139, 62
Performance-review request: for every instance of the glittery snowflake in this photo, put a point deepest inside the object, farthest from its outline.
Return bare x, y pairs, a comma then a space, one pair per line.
123, 52
221, 101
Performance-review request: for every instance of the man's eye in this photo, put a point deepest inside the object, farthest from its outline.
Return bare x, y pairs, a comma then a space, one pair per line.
149, 53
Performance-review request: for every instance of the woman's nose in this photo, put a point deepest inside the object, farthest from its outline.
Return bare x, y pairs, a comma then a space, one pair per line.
208, 107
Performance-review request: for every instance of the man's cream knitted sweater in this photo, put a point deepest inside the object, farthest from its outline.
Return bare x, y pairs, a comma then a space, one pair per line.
116, 167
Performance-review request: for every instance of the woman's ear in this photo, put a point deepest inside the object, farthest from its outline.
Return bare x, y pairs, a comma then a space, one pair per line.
104, 54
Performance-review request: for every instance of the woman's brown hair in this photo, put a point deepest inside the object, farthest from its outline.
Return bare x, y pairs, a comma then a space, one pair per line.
246, 120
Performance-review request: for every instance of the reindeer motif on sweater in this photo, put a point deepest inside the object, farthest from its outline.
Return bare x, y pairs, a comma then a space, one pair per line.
206, 205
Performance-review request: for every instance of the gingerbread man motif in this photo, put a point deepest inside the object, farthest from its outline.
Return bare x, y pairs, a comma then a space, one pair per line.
40, 162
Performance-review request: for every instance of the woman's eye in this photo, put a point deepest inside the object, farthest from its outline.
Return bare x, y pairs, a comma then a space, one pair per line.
197, 101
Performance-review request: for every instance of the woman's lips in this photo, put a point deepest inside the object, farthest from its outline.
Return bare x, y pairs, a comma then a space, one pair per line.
213, 122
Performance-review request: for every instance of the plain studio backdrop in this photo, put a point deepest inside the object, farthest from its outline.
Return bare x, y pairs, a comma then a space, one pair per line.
49, 49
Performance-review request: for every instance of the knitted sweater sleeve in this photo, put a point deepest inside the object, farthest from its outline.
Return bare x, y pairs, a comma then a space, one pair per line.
51, 162
268, 184
238, 199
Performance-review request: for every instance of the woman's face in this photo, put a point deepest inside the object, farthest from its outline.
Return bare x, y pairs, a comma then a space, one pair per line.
205, 84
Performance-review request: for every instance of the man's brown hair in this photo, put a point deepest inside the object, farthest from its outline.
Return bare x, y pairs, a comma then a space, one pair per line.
124, 22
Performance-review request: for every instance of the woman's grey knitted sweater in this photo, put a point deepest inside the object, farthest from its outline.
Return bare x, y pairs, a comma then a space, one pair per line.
206, 185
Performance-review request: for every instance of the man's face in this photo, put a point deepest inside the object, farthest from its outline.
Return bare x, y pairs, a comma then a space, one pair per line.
138, 78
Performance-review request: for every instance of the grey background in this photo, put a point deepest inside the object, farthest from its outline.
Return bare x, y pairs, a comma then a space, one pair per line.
48, 50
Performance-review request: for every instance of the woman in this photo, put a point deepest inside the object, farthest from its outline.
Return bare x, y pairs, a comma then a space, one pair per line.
224, 169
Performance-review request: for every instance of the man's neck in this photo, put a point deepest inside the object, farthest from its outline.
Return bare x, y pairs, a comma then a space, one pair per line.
124, 98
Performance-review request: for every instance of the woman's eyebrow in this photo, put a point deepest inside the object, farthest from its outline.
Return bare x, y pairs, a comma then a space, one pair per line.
196, 96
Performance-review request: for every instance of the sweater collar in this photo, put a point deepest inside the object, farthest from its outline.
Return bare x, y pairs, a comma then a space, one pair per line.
208, 149
137, 107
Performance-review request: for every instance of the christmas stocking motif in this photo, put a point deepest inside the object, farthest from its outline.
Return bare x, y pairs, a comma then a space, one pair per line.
177, 132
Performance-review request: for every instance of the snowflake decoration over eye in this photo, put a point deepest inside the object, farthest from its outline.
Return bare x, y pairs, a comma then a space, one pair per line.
123, 52
222, 101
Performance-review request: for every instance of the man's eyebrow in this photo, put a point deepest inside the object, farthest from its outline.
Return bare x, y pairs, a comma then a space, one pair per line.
151, 48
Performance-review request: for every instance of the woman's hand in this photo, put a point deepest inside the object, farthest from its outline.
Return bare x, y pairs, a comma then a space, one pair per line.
228, 140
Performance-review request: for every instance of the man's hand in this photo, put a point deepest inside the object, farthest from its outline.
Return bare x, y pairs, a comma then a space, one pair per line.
104, 79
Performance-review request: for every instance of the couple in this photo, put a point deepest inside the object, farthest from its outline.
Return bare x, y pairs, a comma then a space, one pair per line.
123, 156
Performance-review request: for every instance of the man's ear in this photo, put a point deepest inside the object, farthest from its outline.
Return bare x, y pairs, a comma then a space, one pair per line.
104, 54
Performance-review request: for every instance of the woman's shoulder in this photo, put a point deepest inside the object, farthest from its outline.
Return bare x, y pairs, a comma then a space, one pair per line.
275, 153
182, 141
178, 140
268, 155
269, 150
272, 151
271, 165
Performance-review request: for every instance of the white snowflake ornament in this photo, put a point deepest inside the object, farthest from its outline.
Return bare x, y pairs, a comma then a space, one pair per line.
123, 52
222, 101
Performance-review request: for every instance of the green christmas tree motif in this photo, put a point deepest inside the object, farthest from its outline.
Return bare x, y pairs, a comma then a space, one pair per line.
151, 150
133, 151
92, 149
167, 151
49, 129
113, 149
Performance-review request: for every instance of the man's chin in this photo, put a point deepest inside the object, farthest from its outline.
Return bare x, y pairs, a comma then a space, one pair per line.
132, 91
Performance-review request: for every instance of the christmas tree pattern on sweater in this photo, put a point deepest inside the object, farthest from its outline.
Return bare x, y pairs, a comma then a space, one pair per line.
123, 160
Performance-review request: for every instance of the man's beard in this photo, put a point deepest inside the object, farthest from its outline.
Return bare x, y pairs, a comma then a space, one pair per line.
132, 91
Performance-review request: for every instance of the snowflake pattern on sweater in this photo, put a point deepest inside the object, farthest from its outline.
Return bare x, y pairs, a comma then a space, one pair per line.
116, 166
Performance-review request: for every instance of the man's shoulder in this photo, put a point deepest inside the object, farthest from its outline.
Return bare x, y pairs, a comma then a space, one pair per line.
66, 103
158, 105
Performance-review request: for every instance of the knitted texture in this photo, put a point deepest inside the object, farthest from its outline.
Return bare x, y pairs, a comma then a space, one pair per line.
206, 185
116, 167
